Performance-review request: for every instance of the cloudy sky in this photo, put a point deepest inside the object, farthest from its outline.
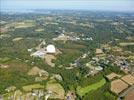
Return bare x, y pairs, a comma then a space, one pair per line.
104, 5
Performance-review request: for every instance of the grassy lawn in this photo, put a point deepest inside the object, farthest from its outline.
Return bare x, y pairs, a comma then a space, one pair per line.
95, 86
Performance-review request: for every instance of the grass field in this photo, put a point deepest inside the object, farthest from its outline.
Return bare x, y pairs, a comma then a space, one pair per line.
95, 86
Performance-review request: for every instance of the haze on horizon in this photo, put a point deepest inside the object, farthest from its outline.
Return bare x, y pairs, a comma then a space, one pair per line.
101, 5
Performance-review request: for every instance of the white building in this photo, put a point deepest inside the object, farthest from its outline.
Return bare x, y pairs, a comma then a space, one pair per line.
50, 49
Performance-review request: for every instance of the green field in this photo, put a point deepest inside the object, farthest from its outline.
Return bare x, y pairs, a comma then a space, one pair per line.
95, 86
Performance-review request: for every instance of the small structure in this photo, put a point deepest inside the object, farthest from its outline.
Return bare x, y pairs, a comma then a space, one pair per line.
29, 50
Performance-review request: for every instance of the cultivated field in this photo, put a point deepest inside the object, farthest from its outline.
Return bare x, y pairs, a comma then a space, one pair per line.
118, 86
128, 79
112, 76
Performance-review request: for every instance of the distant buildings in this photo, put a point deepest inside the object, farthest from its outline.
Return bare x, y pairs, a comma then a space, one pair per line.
41, 52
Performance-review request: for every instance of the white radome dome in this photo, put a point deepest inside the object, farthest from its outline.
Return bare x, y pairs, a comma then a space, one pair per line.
50, 49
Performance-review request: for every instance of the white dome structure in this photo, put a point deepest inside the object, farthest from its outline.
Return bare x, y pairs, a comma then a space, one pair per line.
50, 48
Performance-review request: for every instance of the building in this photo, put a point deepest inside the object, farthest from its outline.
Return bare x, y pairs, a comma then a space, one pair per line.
50, 49
39, 54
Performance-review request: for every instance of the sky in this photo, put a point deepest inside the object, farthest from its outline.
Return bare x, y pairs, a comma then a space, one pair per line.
102, 5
